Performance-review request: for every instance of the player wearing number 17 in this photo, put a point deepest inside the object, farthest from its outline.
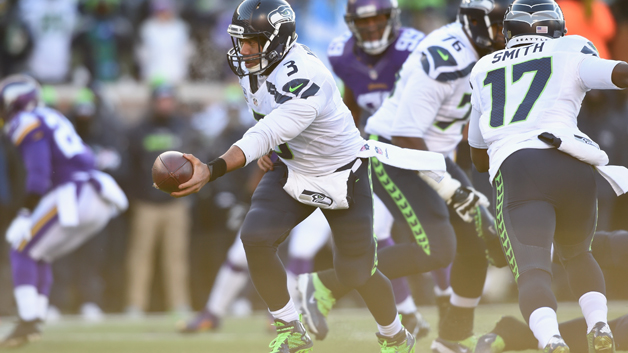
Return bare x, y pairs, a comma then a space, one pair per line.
299, 109
523, 130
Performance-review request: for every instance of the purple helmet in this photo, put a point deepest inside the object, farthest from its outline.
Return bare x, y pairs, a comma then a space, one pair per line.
18, 93
361, 9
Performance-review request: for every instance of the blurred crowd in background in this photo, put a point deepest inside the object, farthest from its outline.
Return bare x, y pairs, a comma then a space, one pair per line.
140, 77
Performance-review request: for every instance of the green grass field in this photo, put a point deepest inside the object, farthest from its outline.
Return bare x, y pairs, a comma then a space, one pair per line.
352, 330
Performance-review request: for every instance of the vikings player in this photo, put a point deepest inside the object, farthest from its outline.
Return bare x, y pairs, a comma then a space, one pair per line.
367, 59
67, 199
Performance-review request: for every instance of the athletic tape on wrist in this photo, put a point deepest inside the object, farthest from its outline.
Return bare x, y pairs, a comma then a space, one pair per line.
217, 168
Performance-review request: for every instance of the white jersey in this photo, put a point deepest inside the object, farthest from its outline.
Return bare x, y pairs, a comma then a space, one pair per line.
52, 24
521, 92
301, 115
431, 99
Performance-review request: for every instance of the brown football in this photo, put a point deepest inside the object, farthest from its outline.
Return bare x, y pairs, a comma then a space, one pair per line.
171, 169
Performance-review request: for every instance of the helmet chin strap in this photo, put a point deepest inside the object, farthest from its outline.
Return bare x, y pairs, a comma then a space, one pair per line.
525, 40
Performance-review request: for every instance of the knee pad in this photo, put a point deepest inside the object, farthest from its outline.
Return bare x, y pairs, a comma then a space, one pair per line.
354, 273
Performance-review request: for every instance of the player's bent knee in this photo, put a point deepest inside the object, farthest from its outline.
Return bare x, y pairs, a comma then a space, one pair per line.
354, 276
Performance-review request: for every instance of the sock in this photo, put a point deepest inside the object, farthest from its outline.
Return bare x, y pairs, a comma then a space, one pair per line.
407, 306
42, 307
229, 282
594, 309
442, 292
292, 287
392, 329
288, 313
27, 300
463, 302
457, 323
544, 325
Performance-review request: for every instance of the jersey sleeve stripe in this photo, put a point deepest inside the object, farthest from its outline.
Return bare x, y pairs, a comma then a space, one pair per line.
22, 132
450, 76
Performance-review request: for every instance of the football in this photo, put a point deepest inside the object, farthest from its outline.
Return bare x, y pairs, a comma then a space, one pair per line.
171, 169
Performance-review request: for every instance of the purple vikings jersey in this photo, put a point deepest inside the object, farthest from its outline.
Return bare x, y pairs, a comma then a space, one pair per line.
371, 78
51, 150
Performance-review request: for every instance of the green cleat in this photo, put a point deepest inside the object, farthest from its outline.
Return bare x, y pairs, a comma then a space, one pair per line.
600, 339
467, 345
403, 342
556, 345
316, 302
291, 338
490, 343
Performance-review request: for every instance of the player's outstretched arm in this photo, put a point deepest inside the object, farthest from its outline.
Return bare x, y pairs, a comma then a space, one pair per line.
620, 75
233, 159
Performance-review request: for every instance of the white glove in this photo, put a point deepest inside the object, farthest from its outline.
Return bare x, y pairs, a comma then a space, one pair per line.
466, 200
20, 229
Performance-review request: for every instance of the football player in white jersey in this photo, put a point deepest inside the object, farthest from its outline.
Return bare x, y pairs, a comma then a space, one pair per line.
428, 110
301, 113
67, 200
524, 131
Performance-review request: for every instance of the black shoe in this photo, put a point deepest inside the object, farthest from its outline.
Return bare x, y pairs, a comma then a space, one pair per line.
24, 332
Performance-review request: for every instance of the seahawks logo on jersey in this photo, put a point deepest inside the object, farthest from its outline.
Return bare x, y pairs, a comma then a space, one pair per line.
438, 63
280, 15
293, 89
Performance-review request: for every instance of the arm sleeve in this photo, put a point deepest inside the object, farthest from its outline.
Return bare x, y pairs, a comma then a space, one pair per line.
37, 162
475, 135
421, 99
596, 73
280, 126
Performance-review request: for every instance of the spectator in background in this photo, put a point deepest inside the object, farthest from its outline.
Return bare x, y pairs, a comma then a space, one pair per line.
591, 19
104, 40
164, 48
15, 39
51, 24
157, 217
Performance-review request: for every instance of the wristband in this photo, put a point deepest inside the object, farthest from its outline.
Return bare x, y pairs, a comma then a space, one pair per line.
217, 168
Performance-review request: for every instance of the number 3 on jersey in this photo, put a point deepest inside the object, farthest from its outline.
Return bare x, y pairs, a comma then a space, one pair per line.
542, 69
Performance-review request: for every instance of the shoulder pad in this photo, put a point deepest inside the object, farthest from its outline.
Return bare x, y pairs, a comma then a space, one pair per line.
441, 65
579, 44
23, 125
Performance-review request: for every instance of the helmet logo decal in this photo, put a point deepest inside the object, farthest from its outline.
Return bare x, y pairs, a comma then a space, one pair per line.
235, 30
282, 14
541, 29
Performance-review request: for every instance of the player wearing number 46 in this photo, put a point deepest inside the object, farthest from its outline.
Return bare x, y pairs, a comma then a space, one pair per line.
523, 130
300, 112
67, 199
